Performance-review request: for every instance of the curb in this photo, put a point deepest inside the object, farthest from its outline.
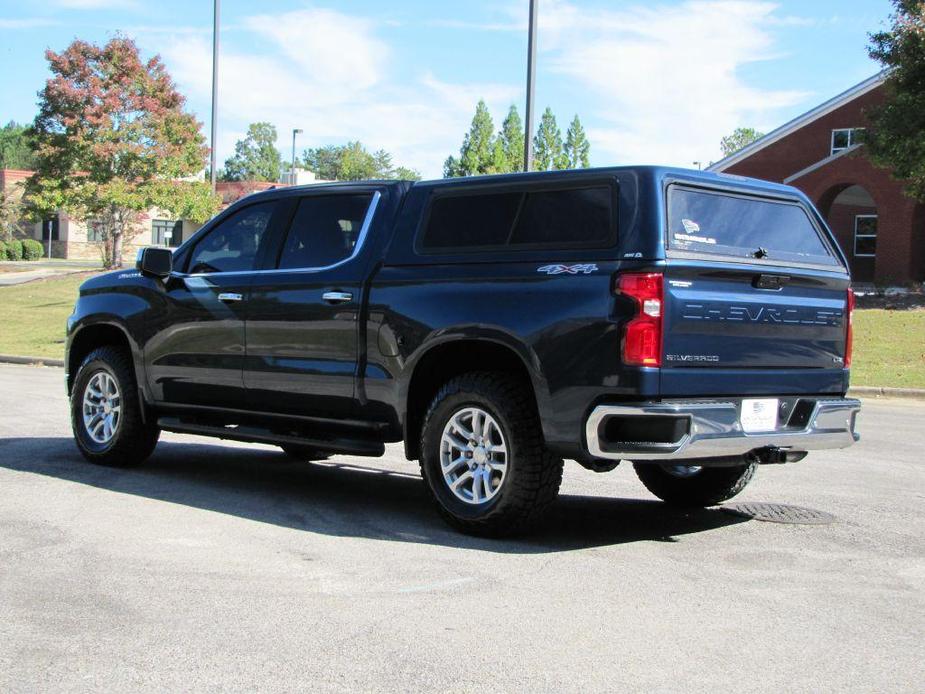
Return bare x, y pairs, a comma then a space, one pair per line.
884, 392
31, 361
856, 391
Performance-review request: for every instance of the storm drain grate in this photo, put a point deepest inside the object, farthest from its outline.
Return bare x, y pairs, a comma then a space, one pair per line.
779, 513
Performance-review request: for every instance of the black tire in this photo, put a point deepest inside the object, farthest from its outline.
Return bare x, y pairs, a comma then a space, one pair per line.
532, 476
708, 487
304, 453
133, 440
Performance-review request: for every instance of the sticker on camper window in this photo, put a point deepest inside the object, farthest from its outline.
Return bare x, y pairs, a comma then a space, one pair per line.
689, 238
690, 226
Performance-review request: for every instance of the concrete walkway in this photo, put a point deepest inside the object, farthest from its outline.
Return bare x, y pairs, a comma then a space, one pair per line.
19, 272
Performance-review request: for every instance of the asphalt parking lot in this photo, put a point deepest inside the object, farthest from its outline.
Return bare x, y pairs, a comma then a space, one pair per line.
226, 567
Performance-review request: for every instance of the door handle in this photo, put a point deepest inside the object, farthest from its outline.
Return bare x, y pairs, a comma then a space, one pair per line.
337, 297
229, 296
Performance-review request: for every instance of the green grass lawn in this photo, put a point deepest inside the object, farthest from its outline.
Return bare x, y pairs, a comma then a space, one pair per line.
33, 316
889, 346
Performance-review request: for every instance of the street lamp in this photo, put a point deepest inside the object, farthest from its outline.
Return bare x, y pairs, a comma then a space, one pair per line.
531, 79
217, 6
292, 179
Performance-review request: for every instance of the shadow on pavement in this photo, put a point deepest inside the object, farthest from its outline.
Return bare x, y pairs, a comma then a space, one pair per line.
345, 500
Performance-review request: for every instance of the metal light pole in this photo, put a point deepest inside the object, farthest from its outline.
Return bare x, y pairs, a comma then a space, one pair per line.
292, 180
531, 83
217, 6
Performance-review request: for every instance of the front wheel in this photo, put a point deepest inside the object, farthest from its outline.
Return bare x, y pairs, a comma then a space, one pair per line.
692, 486
106, 414
483, 457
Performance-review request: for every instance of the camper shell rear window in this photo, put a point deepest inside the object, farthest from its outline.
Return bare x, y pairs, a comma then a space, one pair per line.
742, 226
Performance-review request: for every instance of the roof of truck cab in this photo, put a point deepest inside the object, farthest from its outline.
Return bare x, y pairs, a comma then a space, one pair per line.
650, 171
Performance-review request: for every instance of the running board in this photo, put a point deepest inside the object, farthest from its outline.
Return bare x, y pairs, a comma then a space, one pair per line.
252, 434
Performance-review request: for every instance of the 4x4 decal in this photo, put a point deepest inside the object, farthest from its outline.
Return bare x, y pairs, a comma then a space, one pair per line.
558, 269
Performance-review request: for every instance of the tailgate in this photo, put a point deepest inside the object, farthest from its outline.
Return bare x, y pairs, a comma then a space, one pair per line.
720, 317
755, 289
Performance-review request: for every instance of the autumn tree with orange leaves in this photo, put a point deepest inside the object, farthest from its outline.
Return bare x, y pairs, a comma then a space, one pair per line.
112, 139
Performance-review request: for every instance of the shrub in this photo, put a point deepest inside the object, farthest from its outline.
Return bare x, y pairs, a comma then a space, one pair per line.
2, 251
14, 250
32, 250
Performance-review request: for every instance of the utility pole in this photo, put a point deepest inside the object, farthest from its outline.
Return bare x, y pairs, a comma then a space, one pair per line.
292, 179
216, 10
531, 84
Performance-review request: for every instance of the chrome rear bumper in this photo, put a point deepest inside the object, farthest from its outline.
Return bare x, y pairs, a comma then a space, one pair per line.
711, 429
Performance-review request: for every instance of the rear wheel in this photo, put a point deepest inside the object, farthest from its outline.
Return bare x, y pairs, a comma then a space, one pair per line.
106, 414
483, 458
691, 485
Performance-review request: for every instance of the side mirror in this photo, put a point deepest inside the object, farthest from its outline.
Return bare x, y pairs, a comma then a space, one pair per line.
157, 262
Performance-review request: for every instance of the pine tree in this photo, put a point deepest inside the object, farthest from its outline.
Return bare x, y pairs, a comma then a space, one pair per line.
476, 153
577, 147
511, 138
547, 145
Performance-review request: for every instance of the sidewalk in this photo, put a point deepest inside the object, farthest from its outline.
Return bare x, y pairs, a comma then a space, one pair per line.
21, 271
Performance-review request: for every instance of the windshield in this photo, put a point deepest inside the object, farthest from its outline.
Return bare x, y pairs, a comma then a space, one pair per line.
744, 227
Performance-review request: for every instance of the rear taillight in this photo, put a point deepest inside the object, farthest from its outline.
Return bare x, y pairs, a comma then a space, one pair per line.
849, 328
642, 339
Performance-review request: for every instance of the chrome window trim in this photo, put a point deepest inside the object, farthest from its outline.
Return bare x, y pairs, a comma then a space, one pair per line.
357, 248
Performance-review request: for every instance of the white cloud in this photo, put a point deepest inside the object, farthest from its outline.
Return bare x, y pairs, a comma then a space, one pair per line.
96, 4
658, 83
27, 23
336, 49
329, 74
667, 79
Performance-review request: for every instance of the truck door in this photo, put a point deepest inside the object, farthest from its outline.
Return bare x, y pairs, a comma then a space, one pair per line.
195, 355
302, 318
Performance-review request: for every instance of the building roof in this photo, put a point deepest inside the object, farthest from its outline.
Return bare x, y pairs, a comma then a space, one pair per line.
801, 121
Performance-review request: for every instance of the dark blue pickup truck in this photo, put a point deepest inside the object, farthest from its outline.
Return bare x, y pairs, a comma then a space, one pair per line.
694, 324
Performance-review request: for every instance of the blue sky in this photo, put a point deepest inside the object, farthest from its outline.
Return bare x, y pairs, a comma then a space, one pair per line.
654, 81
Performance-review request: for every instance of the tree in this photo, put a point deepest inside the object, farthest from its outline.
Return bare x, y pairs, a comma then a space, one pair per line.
478, 153
547, 145
255, 157
577, 149
353, 162
740, 138
511, 141
896, 137
15, 147
112, 139
11, 213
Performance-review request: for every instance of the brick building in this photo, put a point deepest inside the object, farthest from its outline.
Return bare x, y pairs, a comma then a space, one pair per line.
880, 229
76, 238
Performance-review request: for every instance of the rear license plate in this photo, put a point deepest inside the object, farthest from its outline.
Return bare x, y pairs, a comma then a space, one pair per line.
759, 415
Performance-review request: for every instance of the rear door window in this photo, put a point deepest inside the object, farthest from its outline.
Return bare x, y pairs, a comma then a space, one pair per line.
324, 231
567, 217
744, 227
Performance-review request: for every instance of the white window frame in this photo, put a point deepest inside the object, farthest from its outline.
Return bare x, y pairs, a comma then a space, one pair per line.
865, 236
851, 139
